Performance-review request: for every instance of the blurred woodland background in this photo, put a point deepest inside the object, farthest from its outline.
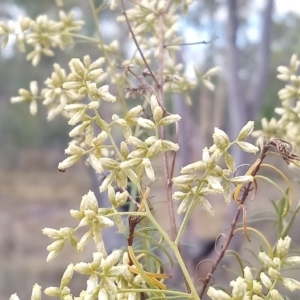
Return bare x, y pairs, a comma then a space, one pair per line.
254, 37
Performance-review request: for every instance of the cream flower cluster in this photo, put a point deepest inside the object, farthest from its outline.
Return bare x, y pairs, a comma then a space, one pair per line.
41, 34
205, 177
134, 156
264, 286
287, 126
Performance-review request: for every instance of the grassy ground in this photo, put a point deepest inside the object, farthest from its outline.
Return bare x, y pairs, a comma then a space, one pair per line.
32, 199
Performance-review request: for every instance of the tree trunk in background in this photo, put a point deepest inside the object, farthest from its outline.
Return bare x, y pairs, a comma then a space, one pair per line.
236, 99
260, 78
240, 107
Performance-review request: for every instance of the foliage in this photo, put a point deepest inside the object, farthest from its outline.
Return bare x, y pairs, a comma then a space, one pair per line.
79, 94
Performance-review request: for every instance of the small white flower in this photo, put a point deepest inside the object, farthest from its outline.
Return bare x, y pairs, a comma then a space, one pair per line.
283, 247
217, 294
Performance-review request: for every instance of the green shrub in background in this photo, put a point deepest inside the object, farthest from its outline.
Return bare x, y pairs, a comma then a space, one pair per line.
78, 94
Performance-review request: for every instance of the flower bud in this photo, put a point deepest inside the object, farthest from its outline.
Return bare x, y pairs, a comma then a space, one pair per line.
106, 182
247, 147
265, 280
238, 288
212, 71
83, 242
118, 221
132, 113
217, 294
220, 138
178, 195
169, 146
246, 131
95, 163
52, 255
83, 268
97, 258
111, 260
145, 123
154, 149
257, 287
230, 163
273, 273
196, 166
111, 194
150, 140
131, 163
105, 222
294, 63
79, 128
66, 231
169, 120
283, 70
122, 180
52, 233
184, 205
77, 66
209, 163
67, 276
292, 261
103, 294
72, 85
255, 297
158, 113
34, 88
121, 198
76, 214
184, 179
274, 294
138, 280
132, 140
215, 183
52, 291
265, 259
108, 163
94, 74
65, 292
93, 105
56, 246
36, 292
149, 169
14, 297
283, 77
124, 149
291, 284
283, 247
248, 275
25, 23
89, 201
241, 179
153, 102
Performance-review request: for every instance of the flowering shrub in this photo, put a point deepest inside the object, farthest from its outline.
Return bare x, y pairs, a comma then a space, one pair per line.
78, 94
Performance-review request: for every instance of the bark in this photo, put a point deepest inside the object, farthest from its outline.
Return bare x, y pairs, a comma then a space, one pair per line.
240, 108
236, 99
260, 78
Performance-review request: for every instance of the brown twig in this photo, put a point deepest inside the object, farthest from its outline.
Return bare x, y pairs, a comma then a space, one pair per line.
191, 44
137, 44
286, 152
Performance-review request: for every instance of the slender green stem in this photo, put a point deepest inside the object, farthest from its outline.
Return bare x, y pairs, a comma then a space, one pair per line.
176, 252
189, 211
83, 37
175, 293
185, 221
